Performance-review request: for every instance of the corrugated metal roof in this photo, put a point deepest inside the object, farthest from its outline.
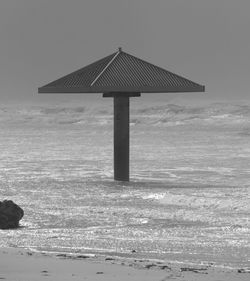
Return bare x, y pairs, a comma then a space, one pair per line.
121, 72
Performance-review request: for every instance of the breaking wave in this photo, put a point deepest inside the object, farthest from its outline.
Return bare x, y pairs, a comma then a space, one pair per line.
167, 114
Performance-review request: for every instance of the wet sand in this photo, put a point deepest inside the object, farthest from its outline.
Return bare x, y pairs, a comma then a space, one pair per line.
24, 265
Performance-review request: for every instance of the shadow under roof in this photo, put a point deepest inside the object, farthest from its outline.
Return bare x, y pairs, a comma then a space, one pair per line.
121, 72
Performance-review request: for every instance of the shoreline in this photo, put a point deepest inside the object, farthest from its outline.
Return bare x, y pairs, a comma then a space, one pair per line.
22, 264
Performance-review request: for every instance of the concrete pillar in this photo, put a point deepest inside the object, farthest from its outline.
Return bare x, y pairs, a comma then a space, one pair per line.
121, 138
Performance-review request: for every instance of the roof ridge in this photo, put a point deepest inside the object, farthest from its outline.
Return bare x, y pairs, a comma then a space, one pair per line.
104, 69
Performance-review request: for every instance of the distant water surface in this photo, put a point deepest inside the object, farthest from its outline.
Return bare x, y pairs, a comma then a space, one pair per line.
188, 199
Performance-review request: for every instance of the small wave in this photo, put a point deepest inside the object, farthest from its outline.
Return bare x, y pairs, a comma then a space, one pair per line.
203, 200
174, 115
59, 110
160, 115
75, 121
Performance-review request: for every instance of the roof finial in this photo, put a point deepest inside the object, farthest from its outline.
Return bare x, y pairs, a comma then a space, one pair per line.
120, 49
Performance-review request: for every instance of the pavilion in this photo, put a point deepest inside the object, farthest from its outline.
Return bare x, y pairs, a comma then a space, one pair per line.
121, 76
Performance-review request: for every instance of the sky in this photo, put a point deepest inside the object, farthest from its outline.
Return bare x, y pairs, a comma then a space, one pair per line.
205, 41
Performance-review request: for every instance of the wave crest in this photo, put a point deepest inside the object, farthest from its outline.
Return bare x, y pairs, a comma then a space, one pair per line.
167, 114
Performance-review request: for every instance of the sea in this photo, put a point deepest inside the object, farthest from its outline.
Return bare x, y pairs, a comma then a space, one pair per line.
188, 200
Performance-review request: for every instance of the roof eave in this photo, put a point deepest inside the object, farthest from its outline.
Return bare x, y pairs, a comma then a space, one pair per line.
143, 89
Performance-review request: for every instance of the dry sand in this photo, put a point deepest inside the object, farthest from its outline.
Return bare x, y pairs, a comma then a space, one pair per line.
23, 265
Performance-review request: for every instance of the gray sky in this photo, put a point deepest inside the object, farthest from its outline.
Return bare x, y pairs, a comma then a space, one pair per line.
205, 41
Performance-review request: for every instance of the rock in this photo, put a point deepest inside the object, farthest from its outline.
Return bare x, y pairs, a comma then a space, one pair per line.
244, 270
148, 266
194, 269
164, 267
109, 259
10, 214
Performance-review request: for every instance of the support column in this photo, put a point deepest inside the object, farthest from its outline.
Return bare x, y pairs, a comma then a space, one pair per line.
121, 138
121, 132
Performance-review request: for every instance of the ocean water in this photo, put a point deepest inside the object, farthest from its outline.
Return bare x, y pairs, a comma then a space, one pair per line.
189, 195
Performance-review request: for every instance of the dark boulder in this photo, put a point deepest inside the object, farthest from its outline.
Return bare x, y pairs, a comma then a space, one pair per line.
10, 214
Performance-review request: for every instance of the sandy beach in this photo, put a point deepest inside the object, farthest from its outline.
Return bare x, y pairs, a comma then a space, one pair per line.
24, 265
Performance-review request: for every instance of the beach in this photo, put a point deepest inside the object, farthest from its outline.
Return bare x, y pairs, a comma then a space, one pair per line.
183, 215
23, 265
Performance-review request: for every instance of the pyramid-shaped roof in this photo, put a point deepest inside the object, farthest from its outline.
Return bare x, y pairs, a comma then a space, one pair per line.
121, 72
